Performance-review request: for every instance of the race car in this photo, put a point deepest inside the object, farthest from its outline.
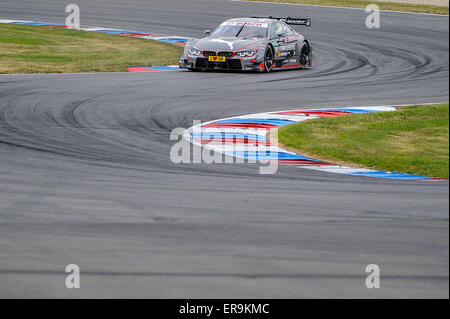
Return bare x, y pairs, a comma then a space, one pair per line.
250, 44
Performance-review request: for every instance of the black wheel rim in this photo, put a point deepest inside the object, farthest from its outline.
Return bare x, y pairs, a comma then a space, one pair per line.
268, 61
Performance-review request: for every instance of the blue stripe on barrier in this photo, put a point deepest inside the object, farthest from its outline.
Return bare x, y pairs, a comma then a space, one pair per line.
275, 121
172, 40
381, 174
161, 68
268, 155
220, 135
349, 110
30, 23
114, 31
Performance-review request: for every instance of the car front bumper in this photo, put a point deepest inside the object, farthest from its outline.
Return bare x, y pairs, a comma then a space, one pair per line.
231, 64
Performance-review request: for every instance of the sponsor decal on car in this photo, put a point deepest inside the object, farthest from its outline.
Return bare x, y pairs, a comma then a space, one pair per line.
217, 59
290, 47
250, 24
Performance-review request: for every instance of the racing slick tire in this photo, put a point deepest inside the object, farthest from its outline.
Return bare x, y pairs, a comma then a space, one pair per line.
306, 56
268, 59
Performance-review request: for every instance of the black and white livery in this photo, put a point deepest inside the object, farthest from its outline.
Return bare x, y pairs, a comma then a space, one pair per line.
250, 44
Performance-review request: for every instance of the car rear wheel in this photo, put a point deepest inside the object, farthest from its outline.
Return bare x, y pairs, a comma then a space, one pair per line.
268, 59
305, 56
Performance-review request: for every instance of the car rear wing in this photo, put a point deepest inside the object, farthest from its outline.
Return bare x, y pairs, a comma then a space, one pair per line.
294, 21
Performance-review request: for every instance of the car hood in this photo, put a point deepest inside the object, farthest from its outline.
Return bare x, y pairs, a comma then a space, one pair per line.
227, 44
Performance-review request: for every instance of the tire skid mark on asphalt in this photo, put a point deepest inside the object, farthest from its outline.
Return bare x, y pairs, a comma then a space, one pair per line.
245, 137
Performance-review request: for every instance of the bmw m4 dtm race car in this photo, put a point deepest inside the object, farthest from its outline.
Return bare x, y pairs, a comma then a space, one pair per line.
250, 44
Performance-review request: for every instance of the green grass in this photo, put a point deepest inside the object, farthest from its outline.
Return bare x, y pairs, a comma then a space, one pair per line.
412, 140
393, 6
37, 49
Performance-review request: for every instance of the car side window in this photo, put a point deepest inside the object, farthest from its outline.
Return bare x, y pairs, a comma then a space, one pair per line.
288, 30
277, 29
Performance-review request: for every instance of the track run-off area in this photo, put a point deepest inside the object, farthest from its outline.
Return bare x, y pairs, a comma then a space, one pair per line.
86, 176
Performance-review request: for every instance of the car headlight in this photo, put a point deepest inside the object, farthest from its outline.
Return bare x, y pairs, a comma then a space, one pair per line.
248, 53
195, 51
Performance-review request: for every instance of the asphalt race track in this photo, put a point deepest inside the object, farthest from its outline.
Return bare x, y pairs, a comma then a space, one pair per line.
86, 178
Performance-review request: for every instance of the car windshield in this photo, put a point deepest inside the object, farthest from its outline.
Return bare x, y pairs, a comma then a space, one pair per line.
241, 30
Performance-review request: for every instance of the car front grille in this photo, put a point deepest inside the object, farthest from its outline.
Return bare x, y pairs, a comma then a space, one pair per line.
209, 53
231, 64
223, 53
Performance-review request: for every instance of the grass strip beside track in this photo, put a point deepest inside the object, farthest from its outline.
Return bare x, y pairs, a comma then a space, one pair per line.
392, 6
413, 140
40, 49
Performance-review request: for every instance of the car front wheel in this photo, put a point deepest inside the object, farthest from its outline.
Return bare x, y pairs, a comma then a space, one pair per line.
268, 59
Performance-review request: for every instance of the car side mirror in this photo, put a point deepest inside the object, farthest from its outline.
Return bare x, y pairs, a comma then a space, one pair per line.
207, 33
282, 36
